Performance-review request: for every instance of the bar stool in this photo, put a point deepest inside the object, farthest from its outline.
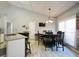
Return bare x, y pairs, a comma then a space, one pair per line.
27, 48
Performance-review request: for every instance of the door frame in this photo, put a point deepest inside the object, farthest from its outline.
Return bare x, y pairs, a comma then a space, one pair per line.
5, 27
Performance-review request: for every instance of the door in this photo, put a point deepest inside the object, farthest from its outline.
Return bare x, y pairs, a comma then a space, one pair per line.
8, 27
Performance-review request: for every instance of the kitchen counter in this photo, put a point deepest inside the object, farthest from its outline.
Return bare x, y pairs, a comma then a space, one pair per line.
14, 37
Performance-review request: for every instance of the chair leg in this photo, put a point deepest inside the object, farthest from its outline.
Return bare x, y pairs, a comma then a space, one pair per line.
56, 46
45, 45
63, 47
45, 48
29, 48
38, 42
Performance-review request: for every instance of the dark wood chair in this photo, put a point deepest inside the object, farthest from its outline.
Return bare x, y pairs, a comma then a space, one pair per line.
39, 37
48, 41
60, 40
27, 43
27, 48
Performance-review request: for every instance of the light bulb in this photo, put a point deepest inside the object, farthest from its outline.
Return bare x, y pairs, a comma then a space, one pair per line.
50, 21
46, 21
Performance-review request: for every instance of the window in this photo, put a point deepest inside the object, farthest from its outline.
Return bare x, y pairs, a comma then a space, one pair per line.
69, 27
61, 26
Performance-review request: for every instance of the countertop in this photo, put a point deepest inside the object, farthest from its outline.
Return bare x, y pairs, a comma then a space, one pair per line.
14, 37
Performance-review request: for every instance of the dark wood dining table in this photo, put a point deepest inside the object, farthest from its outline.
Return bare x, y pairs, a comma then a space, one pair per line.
48, 39
48, 35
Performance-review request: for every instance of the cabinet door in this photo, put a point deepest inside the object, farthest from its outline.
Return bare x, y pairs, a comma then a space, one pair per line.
16, 48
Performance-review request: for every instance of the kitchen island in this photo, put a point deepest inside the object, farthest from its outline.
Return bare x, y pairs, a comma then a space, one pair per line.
15, 46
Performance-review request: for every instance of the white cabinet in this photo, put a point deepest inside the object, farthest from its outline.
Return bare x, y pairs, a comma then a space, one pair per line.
16, 48
2, 45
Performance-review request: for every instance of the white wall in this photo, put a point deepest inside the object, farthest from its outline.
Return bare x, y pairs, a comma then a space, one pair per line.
23, 17
49, 26
70, 14
20, 17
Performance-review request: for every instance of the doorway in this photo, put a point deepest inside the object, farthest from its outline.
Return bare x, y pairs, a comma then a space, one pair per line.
8, 27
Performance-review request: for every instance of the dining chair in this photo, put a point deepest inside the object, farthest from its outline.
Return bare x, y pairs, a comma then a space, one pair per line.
27, 47
60, 40
39, 37
48, 41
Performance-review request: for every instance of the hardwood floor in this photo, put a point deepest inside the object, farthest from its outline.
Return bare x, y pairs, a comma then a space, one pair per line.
39, 51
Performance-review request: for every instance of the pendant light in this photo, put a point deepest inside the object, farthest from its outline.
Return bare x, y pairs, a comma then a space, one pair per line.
49, 18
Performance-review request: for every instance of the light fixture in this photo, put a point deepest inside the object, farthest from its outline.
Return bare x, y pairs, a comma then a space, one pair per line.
49, 20
46, 21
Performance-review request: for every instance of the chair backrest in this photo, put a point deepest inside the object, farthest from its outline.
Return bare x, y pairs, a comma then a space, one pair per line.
49, 33
60, 35
59, 32
47, 38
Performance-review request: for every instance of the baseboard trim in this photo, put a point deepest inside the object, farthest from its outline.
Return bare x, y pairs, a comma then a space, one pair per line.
72, 48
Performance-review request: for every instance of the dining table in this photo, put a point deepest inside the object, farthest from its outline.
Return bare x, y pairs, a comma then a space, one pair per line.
48, 40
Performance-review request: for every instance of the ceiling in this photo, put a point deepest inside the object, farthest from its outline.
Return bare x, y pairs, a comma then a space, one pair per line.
57, 7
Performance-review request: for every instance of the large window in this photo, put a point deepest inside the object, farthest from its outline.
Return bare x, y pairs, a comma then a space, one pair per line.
69, 27
61, 26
